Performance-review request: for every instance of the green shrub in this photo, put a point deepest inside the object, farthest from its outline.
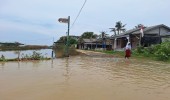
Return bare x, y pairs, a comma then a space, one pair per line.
2, 58
35, 56
158, 51
140, 49
162, 51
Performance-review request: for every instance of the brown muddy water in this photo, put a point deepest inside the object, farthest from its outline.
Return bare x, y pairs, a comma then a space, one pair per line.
85, 78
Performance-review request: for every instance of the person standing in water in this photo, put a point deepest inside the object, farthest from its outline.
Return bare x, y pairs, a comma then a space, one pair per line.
128, 50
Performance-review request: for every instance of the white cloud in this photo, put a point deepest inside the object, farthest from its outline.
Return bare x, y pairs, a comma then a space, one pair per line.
40, 16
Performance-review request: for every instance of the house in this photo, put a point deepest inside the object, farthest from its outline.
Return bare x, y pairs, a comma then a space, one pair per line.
152, 35
165, 36
87, 43
95, 44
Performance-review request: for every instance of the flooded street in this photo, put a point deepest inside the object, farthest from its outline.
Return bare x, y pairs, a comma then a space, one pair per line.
85, 78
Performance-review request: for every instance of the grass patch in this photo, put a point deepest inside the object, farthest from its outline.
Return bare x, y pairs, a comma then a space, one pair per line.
116, 53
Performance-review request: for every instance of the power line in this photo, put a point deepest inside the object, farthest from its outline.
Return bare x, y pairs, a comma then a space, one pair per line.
79, 13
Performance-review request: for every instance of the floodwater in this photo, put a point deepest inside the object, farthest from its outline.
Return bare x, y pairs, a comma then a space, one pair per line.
14, 54
85, 78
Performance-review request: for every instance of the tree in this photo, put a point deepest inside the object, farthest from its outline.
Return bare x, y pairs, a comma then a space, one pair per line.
72, 41
88, 35
113, 30
103, 35
63, 39
119, 27
10, 44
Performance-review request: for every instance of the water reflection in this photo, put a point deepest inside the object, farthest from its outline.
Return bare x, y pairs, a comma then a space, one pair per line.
18, 65
66, 73
67, 68
52, 60
2, 64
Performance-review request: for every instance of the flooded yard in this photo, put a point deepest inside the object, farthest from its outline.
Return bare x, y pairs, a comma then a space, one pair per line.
85, 78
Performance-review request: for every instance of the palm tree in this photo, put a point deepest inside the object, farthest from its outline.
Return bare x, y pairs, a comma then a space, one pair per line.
120, 27
103, 35
113, 30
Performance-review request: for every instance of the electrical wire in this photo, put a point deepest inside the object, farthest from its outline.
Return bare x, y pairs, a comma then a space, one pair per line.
79, 13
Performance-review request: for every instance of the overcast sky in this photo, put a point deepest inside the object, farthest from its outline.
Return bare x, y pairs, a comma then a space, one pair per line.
36, 21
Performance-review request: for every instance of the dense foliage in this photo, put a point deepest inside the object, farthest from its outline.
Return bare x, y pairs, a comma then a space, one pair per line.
119, 27
27, 47
8, 44
63, 40
88, 35
159, 51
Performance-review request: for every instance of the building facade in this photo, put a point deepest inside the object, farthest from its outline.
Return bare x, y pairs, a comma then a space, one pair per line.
152, 35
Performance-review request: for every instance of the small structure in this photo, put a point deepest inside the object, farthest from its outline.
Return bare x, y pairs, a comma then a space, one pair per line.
152, 35
87, 43
95, 44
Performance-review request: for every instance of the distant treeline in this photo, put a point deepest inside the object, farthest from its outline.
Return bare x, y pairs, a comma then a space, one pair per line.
20, 46
7, 44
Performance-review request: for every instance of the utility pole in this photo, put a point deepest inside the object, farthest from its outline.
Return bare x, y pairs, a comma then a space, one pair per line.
67, 45
66, 20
